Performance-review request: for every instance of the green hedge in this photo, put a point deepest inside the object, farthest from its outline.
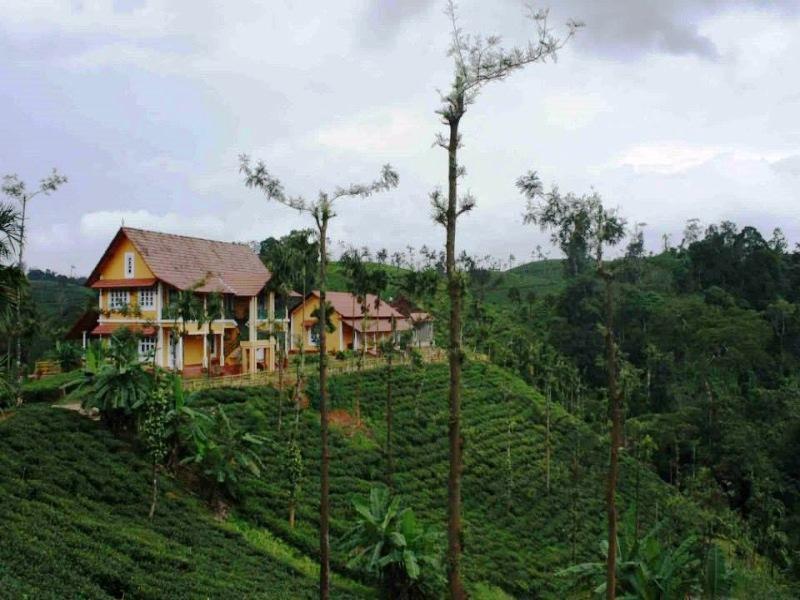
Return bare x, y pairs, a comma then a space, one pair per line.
49, 389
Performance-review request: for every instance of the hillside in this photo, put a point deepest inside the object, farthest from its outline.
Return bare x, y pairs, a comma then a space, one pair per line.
75, 516
541, 277
75, 524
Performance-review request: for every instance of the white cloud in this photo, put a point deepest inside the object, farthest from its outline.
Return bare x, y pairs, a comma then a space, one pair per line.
102, 225
395, 131
569, 111
673, 157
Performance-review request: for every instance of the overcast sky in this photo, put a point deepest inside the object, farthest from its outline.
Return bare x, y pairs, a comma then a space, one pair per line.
670, 109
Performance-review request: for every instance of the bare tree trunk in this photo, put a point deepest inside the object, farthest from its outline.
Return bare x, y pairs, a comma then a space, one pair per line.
455, 359
19, 301
389, 413
324, 508
155, 491
615, 411
547, 438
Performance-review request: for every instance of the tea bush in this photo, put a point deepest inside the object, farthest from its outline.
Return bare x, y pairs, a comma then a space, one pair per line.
74, 514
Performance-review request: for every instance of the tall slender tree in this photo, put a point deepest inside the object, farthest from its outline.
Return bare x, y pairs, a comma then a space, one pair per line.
477, 61
322, 211
601, 228
17, 190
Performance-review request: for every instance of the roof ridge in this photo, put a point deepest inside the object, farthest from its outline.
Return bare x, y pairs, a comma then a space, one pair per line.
178, 235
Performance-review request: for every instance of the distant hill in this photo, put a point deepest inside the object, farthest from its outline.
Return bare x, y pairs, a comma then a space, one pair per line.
58, 304
541, 277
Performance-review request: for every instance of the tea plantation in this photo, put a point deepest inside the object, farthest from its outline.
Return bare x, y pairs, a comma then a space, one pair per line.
74, 525
75, 498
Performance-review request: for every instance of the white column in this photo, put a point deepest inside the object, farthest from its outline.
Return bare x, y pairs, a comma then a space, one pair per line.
222, 348
159, 301
84, 340
253, 332
159, 346
205, 350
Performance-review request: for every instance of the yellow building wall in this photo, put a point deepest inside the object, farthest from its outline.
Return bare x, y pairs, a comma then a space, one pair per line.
114, 268
332, 339
192, 350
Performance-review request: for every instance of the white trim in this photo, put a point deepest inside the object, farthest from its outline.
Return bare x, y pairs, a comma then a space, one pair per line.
152, 304
111, 305
159, 301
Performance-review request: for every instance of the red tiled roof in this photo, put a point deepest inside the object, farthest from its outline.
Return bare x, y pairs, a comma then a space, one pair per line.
122, 283
185, 262
109, 328
342, 303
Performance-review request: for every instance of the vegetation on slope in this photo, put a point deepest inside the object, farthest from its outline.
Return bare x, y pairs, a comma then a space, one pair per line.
516, 535
75, 524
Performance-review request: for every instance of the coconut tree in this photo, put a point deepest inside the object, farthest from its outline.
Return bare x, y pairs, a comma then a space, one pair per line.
321, 210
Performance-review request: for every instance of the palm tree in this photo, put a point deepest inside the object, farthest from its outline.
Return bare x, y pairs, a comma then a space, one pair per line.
11, 279
283, 264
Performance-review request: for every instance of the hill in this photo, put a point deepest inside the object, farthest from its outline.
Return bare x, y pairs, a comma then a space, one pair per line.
542, 277
75, 524
75, 515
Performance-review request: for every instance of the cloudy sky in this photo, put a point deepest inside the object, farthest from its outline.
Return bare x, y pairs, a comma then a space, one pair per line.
671, 110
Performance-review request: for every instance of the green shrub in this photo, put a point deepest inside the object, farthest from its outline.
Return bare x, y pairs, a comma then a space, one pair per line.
50, 389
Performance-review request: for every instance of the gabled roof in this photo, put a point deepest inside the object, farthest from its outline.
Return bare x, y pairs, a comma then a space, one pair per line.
183, 262
342, 303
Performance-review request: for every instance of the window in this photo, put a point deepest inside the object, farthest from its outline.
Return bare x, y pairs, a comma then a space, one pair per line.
227, 306
118, 298
129, 265
147, 299
313, 335
147, 347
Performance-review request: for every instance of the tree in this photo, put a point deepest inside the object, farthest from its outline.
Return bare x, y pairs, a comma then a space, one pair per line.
16, 189
154, 432
224, 454
120, 386
600, 228
294, 472
360, 285
477, 61
284, 262
184, 306
322, 211
646, 568
302, 249
212, 311
10, 276
388, 542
